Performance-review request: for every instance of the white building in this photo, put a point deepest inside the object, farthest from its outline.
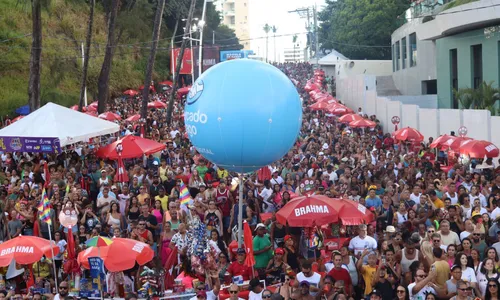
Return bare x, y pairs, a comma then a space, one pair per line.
294, 53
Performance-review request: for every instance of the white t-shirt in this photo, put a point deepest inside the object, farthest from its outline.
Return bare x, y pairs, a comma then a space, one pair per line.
122, 201
469, 275
313, 280
254, 296
421, 294
358, 245
415, 198
495, 213
450, 238
210, 296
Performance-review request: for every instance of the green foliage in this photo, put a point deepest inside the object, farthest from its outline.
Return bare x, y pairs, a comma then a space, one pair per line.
357, 28
484, 97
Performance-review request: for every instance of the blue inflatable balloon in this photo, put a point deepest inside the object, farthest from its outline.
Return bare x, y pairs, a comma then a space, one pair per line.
243, 114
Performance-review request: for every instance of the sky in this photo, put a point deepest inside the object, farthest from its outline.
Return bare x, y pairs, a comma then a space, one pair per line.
275, 12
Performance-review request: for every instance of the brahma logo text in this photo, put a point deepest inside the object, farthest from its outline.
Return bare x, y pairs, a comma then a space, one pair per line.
195, 92
18, 249
322, 209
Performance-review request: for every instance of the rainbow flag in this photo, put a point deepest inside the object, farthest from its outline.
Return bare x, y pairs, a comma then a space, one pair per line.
44, 209
184, 196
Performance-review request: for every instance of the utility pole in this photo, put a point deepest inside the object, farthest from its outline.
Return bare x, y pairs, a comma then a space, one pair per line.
305, 13
316, 37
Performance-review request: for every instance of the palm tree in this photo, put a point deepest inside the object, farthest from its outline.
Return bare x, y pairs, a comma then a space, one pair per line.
103, 81
87, 55
34, 85
294, 40
152, 56
267, 28
484, 97
274, 29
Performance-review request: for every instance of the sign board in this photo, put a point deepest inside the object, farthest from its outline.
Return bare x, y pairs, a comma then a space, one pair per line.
30, 144
186, 66
234, 54
97, 272
210, 58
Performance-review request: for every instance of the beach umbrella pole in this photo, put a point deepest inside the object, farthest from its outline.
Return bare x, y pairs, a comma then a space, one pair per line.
53, 259
240, 212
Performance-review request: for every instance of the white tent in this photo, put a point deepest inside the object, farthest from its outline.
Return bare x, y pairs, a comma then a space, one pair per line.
56, 121
334, 57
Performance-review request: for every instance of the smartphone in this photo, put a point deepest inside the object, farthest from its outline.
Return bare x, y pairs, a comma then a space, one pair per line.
282, 277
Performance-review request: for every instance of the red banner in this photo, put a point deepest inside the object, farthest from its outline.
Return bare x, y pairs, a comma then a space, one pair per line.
186, 66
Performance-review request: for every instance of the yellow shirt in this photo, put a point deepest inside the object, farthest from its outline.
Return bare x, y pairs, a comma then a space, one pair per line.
222, 173
142, 198
164, 202
42, 271
438, 203
368, 272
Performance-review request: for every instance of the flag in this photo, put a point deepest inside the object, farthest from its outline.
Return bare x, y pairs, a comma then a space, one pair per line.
169, 267
121, 173
44, 209
248, 242
184, 196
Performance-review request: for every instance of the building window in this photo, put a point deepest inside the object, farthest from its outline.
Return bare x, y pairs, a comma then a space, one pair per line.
454, 76
477, 65
398, 55
404, 50
413, 49
394, 58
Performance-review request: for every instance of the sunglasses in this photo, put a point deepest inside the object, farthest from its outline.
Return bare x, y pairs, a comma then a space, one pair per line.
401, 291
436, 241
430, 231
266, 296
63, 287
141, 224
492, 285
476, 234
233, 292
465, 289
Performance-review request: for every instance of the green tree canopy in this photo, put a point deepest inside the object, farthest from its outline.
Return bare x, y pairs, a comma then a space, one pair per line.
360, 29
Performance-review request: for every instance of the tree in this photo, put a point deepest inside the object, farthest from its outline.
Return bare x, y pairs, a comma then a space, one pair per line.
175, 77
360, 29
274, 29
484, 97
225, 38
87, 55
294, 40
102, 84
266, 29
152, 55
34, 85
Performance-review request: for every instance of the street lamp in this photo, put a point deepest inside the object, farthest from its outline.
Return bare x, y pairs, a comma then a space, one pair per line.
191, 28
201, 24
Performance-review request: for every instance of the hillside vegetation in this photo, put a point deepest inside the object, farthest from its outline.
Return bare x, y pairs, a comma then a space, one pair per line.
64, 31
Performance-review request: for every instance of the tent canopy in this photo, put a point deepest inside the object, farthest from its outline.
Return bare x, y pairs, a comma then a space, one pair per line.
58, 122
332, 58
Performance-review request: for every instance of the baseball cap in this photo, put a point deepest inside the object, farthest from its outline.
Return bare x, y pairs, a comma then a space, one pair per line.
260, 225
201, 294
279, 251
287, 237
305, 282
376, 292
241, 251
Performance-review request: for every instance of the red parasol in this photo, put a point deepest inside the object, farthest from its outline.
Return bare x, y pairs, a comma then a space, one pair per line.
442, 140
338, 109
351, 212
131, 93
26, 250
308, 211
134, 118
349, 118
408, 134
133, 146
17, 119
183, 90
110, 116
157, 104
75, 107
363, 123
94, 104
479, 149
320, 105
91, 113
120, 255
455, 143
166, 82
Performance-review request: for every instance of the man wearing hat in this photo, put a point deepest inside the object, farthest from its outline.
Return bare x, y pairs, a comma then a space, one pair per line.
256, 289
238, 267
377, 295
262, 248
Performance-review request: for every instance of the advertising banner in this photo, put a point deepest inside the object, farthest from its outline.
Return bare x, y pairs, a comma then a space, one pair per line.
186, 66
234, 54
210, 58
30, 144
96, 272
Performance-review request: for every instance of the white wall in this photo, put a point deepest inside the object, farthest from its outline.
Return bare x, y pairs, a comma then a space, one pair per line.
423, 101
349, 68
433, 122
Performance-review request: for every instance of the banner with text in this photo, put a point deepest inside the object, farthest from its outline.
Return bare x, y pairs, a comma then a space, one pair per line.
186, 66
30, 144
210, 58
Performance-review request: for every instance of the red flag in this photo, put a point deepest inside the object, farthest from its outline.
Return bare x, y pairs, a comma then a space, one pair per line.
30, 280
71, 264
169, 267
121, 173
36, 228
248, 239
264, 174
46, 173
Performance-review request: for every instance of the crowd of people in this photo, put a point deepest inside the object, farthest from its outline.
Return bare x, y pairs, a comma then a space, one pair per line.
436, 234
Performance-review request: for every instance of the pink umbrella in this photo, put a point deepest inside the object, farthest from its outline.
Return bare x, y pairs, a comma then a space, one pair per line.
134, 118
110, 116
183, 90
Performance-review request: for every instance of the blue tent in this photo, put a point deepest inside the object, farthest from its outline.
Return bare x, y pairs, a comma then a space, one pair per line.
23, 110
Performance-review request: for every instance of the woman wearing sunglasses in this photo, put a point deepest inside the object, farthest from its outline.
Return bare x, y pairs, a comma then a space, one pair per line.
402, 293
492, 293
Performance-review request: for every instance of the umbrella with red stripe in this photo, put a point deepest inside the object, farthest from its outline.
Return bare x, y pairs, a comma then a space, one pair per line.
455, 143
479, 149
308, 211
441, 141
133, 146
351, 212
183, 91
110, 116
134, 118
349, 118
320, 105
338, 109
131, 93
157, 104
363, 123
408, 134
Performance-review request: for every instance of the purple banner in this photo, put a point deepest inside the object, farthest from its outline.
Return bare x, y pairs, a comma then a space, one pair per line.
30, 144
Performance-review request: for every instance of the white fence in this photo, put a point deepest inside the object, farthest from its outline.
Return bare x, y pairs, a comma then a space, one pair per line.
360, 91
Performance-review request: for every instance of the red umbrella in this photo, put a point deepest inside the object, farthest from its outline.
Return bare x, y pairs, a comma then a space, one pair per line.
131, 93
94, 104
349, 118
326, 98
91, 113
133, 146
26, 250
363, 123
134, 118
166, 82
338, 109
455, 143
308, 211
479, 149
110, 116
408, 134
319, 105
183, 90
351, 212
441, 141
17, 119
120, 255
91, 108
157, 104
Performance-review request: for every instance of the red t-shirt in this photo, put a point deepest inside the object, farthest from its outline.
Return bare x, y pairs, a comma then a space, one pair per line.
341, 274
237, 269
